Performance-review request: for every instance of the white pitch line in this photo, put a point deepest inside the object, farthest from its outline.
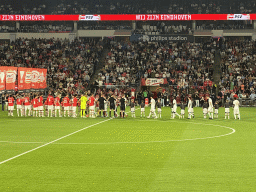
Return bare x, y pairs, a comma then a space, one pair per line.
110, 143
2, 162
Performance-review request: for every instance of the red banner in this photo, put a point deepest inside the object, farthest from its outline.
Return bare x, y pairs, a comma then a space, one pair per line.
2, 79
11, 73
128, 17
24, 78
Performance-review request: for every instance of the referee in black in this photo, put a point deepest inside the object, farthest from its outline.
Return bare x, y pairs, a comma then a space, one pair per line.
101, 105
112, 105
122, 106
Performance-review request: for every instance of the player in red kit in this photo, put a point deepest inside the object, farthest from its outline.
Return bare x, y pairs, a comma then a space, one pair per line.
35, 106
57, 105
27, 105
10, 105
19, 106
66, 101
40, 106
74, 105
50, 101
46, 107
92, 106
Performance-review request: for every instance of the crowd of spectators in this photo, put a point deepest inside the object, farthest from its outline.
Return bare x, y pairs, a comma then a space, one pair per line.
163, 27
187, 67
108, 25
69, 65
223, 25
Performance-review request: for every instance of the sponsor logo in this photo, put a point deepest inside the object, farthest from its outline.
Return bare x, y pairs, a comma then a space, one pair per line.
238, 17
34, 77
89, 17
154, 82
10, 76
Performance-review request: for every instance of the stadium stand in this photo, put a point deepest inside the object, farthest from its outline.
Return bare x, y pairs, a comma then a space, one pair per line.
186, 66
70, 64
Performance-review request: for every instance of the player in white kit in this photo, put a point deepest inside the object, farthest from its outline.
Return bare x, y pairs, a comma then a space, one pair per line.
142, 109
190, 108
174, 109
210, 108
159, 110
236, 109
153, 108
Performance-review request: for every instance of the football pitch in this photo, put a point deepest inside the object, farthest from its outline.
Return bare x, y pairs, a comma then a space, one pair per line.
103, 154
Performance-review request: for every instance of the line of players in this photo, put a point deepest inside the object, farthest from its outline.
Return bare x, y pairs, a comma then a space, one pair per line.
207, 109
54, 107
92, 107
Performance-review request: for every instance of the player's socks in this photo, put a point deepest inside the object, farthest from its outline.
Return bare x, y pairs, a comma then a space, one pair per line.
238, 116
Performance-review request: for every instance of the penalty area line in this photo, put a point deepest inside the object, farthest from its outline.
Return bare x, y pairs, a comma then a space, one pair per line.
5, 161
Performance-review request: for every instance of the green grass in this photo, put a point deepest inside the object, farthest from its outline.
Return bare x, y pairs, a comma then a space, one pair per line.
129, 154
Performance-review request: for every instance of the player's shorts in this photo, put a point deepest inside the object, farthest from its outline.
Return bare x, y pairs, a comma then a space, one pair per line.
50, 107
105, 108
159, 110
122, 107
101, 107
40, 108
83, 106
10, 108
92, 108
6, 103
174, 109
153, 109
57, 107
133, 109
112, 106
19, 107
35, 108
182, 112
236, 111
190, 110
27, 107
66, 108
73, 108
227, 110
205, 110
210, 109
216, 111
142, 109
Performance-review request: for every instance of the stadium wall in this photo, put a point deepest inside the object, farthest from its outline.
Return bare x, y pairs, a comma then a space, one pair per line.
95, 33
111, 33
